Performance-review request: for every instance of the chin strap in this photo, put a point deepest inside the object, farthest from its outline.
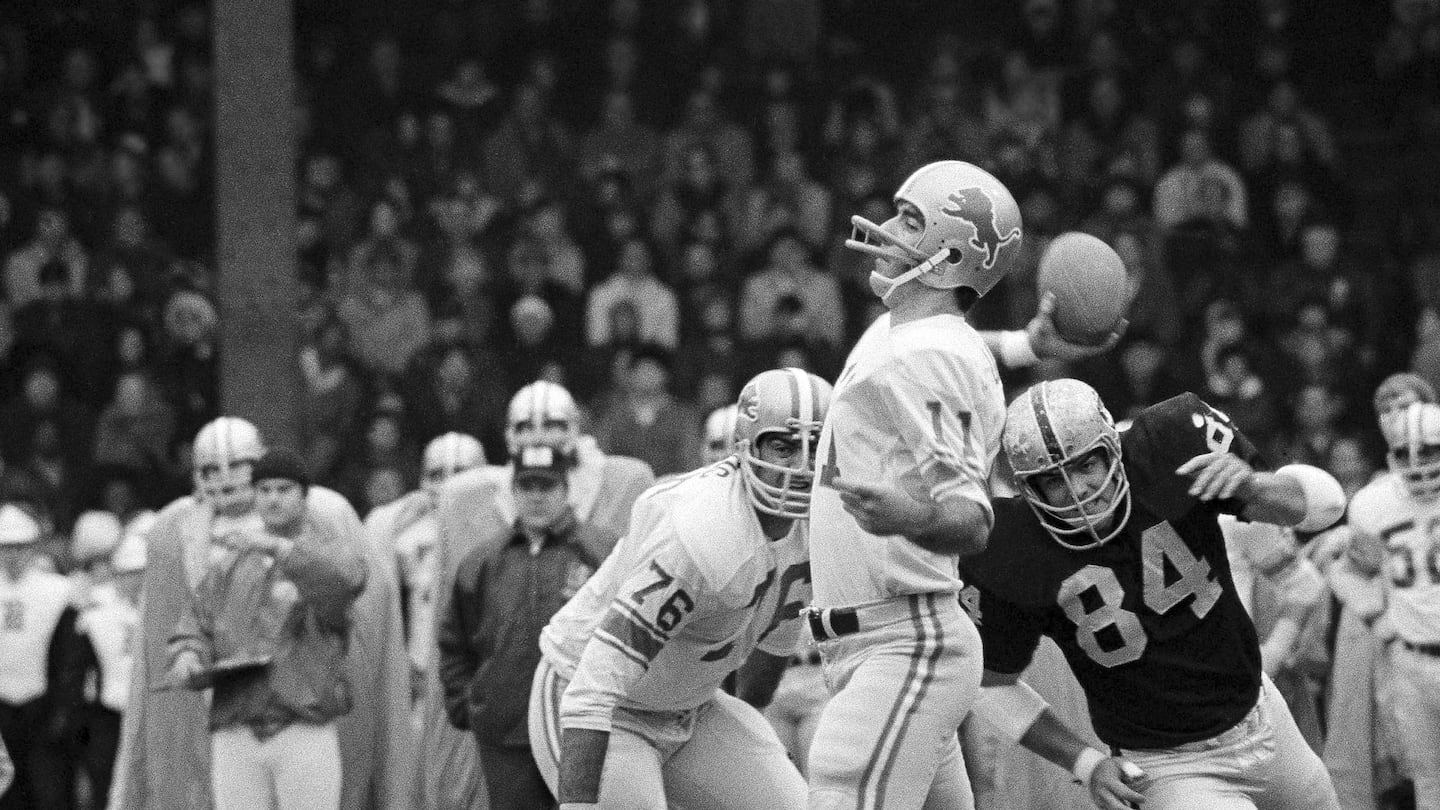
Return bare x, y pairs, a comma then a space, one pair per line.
893, 284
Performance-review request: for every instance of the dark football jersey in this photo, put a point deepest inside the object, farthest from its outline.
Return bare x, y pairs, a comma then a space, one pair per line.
1151, 622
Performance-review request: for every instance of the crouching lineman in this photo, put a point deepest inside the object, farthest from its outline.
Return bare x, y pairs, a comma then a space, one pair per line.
626, 709
164, 759
1395, 549
1115, 553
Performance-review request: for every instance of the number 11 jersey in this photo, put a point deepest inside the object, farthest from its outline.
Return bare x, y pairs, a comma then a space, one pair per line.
1151, 623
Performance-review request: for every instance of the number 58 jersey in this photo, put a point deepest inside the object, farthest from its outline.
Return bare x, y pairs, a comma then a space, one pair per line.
1410, 533
1151, 623
681, 602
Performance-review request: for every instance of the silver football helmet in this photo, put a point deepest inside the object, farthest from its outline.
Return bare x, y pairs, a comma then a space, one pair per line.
1046, 428
447, 455
223, 460
542, 412
719, 433
788, 401
1412, 436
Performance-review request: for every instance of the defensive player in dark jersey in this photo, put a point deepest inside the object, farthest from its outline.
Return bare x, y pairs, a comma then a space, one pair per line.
1114, 552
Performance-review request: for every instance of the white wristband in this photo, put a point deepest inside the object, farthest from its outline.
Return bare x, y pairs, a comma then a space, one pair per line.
1016, 351
1085, 765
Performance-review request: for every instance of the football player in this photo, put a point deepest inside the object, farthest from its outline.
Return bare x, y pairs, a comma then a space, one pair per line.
903, 463
164, 758
1114, 552
1392, 524
626, 707
408, 530
719, 433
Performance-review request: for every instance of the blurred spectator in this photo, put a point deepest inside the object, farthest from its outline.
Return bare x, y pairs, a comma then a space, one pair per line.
634, 284
1350, 292
1022, 103
536, 351
332, 394
387, 320
1261, 133
43, 399
1181, 192
530, 141
1425, 359
188, 367
620, 143
564, 264
1407, 59
71, 330
790, 286
698, 187
472, 100
646, 421
135, 429
1205, 251
1109, 138
383, 446
705, 126
460, 396
1313, 427
52, 242
1136, 375
384, 233
1234, 388
715, 349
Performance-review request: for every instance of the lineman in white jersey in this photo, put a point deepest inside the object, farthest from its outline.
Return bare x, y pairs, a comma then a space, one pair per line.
1396, 525
904, 459
626, 709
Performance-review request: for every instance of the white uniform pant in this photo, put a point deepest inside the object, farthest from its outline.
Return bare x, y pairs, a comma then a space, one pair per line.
794, 712
901, 686
1416, 687
722, 755
1261, 763
297, 769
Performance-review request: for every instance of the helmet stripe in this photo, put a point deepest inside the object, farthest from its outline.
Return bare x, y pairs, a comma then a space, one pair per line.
1042, 421
801, 407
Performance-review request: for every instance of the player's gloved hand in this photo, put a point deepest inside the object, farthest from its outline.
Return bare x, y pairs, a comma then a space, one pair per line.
1046, 341
883, 510
1117, 784
1218, 475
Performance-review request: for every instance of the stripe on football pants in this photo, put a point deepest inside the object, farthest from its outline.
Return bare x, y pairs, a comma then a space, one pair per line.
937, 645
550, 693
916, 682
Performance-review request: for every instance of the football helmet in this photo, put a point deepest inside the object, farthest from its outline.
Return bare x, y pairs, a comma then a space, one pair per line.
788, 401
1413, 439
971, 234
542, 412
223, 460
1049, 426
447, 455
719, 433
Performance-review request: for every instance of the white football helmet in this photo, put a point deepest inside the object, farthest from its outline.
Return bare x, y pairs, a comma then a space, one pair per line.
223, 459
1413, 438
447, 455
971, 233
788, 401
1049, 426
719, 433
542, 412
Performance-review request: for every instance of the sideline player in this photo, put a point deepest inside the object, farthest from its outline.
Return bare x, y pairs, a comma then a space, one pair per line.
626, 710
903, 461
407, 531
719, 434
1115, 553
164, 759
1393, 521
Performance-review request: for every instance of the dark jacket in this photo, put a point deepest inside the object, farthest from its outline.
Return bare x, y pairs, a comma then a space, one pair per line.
246, 608
489, 635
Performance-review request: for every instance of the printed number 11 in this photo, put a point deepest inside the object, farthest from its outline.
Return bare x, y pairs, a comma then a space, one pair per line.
936, 410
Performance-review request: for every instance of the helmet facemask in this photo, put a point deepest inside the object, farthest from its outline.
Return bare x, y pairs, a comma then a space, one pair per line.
225, 452
1075, 525
789, 496
543, 413
790, 403
1413, 435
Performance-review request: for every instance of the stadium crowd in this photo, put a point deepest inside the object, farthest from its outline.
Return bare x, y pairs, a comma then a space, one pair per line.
643, 202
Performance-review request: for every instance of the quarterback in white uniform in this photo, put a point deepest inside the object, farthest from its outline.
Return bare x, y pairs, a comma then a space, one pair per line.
626, 709
1396, 525
903, 463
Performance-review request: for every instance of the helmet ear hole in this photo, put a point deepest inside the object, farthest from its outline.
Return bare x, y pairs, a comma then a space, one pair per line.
955, 256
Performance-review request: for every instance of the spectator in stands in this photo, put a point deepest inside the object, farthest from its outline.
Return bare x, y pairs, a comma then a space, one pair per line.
188, 367
634, 282
1109, 138
698, 186
530, 141
70, 329
460, 396
387, 319
52, 242
1023, 103
136, 428
1351, 294
622, 144
472, 100
705, 125
384, 233
790, 277
536, 352
1179, 192
384, 446
1236, 389
1313, 427
332, 395
544, 225
1284, 110
646, 421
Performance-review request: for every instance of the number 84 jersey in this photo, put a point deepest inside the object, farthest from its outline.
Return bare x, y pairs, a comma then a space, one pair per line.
1151, 623
693, 588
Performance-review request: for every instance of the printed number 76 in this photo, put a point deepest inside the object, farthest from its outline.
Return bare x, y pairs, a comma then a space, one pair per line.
937, 411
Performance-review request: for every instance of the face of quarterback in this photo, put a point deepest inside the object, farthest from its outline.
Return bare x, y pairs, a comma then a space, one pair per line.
908, 225
1077, 480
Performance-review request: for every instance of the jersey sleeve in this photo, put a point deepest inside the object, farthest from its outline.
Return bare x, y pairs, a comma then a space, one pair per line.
931, 397
1170, 433
649, 608
1008, 632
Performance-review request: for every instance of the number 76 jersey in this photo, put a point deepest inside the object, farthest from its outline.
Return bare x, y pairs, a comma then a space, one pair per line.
1151, 623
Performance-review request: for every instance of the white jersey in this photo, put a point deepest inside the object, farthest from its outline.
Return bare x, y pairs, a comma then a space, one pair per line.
681, 602
1255, 550
30, 610
1410, 531
109, 620
918, 406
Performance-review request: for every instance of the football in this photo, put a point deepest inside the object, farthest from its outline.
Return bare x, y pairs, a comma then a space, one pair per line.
1089, 282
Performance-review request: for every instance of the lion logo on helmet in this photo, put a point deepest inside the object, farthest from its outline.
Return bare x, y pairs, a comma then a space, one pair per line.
974, 206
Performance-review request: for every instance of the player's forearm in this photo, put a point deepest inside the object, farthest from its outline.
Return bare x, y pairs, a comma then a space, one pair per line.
758, 679
1011, 348
1272, 498
582, 763
957, 526
1053, 740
